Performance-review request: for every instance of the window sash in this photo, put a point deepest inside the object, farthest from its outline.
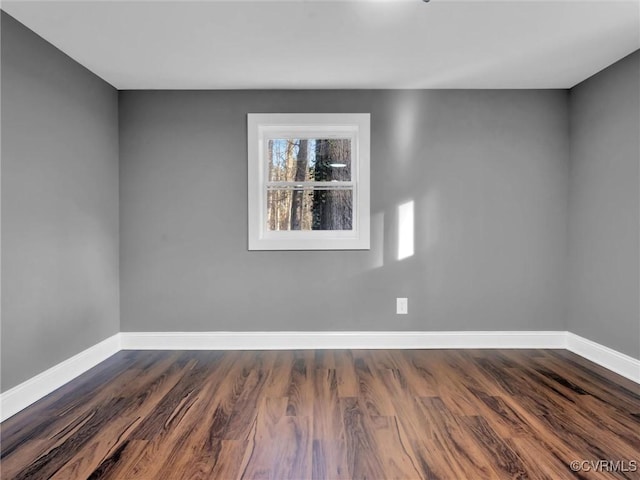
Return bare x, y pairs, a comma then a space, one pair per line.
327, 220
267, 135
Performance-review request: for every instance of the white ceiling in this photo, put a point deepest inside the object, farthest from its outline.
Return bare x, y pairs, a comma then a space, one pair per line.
337, 44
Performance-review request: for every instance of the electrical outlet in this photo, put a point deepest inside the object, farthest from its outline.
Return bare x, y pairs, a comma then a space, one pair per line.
402, 306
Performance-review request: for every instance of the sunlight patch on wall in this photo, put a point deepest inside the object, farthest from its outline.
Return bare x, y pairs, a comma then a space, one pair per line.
405, 230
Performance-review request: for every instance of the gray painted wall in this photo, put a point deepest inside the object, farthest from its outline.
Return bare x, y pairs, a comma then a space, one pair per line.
604, 232
487, 170
59, 206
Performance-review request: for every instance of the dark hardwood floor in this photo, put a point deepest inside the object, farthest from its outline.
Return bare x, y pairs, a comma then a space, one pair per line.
353, 414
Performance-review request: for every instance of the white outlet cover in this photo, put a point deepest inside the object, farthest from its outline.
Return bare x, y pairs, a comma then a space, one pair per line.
402, 306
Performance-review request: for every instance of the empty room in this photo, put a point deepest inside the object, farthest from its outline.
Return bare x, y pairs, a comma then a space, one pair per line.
320, 239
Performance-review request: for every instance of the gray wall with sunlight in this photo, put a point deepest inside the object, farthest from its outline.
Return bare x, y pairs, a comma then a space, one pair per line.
487, 171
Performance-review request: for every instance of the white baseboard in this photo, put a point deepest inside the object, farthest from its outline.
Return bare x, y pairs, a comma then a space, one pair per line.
337, 340
23, 395
606, 357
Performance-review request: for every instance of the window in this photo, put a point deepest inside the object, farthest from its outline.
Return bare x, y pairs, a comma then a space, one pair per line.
308, 181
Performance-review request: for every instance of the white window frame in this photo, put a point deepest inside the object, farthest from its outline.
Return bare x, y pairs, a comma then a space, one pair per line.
260, 128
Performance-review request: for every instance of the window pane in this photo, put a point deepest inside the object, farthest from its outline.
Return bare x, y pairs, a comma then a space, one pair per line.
309, 159
309, 209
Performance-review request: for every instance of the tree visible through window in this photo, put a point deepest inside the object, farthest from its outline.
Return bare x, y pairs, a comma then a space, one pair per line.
309, 186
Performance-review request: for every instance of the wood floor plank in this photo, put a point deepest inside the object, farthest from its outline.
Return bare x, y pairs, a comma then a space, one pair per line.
124, 459
327, 422
228, 463
504, 457
363, 459
371, 389
449, 451
396, 458
408, 374
102, 446
345, 369
279, 379
261, 443
552, 467
55, 420
202, 425
329, 460
300, 391
293, 457
334, 415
